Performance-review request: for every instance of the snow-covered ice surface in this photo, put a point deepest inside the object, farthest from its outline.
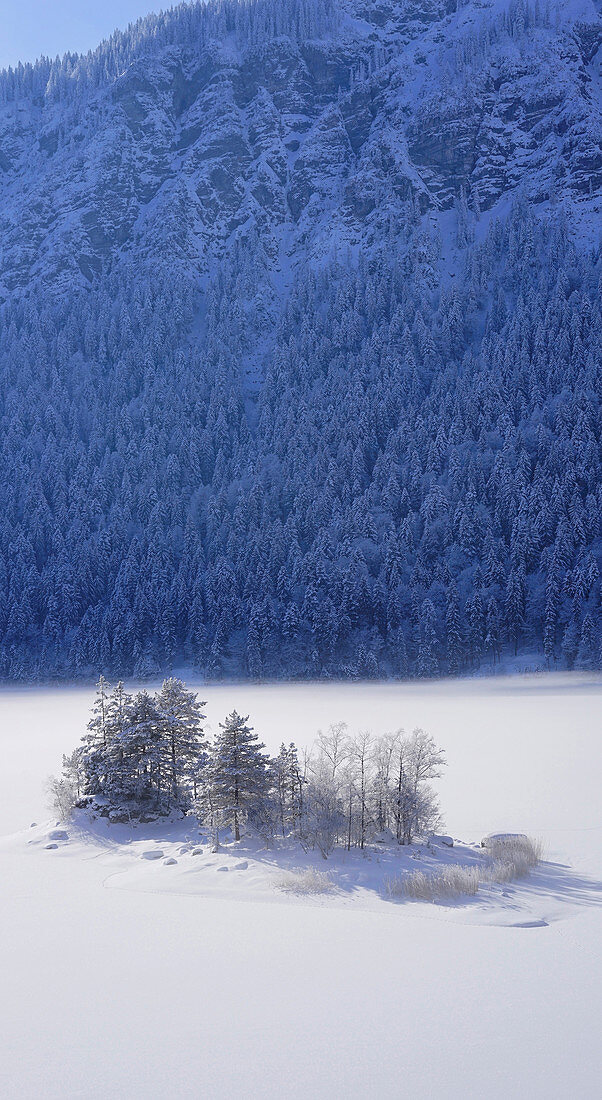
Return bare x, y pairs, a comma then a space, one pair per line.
132, 976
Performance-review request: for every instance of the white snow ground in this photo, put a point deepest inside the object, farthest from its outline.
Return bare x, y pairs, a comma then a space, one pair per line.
126, 977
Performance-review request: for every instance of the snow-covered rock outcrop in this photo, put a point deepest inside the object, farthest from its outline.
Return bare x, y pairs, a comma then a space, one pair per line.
310, 137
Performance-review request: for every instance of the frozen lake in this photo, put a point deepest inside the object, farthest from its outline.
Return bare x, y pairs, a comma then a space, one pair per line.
111, 991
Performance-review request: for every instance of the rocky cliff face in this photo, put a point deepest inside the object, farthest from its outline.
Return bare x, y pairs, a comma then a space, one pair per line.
311, 139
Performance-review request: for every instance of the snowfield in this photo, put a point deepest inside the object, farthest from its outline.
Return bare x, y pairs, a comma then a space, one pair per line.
126, 974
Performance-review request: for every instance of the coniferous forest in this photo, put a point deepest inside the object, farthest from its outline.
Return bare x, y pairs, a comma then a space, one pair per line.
229, 445
414, 491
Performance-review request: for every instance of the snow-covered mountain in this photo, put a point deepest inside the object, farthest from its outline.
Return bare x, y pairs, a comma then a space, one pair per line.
300, 353
309, 122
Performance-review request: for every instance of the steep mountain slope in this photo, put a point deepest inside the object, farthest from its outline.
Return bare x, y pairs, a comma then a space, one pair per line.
312, 137
300, 341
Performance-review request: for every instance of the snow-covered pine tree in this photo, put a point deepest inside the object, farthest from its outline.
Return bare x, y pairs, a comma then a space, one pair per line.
453, 630
288, 784
492, 630
236, 781
146, 742
184, 749
140, 752
94, 742
116, 786
428, 663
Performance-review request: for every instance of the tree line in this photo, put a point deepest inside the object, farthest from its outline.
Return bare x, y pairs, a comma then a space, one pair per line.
146, 755
67, 78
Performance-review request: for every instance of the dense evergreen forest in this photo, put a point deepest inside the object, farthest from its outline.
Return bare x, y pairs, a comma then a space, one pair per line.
414, 489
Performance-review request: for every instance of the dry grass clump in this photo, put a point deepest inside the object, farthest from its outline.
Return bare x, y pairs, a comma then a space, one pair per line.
451, 882
507, 859
306, 881
511, 857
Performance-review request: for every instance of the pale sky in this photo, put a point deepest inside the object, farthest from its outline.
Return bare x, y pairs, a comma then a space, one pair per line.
29, 28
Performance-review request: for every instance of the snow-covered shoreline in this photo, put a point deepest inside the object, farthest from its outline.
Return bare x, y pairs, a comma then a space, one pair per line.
178, 857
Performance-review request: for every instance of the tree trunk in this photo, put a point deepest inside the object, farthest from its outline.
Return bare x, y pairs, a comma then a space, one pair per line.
349, 824
174, 781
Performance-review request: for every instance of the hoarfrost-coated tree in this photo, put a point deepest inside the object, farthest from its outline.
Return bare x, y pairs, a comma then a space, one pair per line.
361, 774
94, 742
419, 762
143, 752
143, 764
180, 718
289, 784
237, 778
350, 789
324, 816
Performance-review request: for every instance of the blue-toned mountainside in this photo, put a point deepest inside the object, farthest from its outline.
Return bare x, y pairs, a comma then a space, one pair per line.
301, 342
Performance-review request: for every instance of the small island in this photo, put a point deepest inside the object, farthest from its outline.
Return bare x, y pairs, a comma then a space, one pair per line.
145, 761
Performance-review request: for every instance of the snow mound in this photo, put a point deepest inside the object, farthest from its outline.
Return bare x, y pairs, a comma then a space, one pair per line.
154, 853
58, 834
169, 862
502, 838
446, 841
